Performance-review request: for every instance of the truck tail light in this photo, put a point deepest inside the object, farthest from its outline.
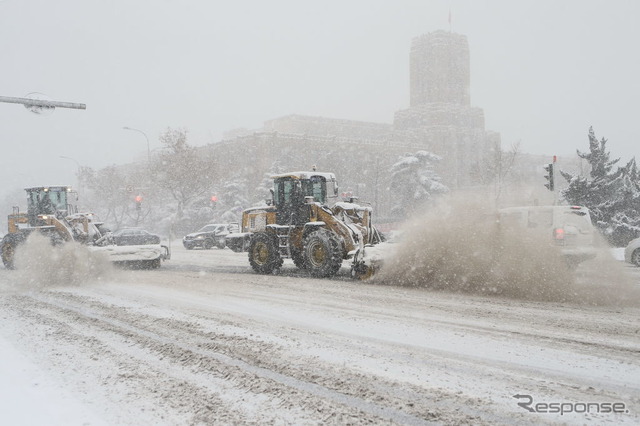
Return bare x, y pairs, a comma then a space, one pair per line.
558, 236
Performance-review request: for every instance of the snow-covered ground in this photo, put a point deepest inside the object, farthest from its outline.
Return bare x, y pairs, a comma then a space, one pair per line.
203, 340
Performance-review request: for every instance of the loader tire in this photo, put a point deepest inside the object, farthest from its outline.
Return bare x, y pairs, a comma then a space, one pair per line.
8, 254
322, 253
298, 259
264, 256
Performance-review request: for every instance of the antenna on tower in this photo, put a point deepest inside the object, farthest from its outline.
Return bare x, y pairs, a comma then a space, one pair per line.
449, 19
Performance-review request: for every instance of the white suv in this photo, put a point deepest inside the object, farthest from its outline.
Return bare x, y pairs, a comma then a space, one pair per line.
568, 227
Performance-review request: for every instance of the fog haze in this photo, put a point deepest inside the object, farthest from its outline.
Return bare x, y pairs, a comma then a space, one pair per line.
543, 71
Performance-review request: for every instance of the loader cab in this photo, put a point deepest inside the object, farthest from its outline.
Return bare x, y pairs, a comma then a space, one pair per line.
49, 200
293, 192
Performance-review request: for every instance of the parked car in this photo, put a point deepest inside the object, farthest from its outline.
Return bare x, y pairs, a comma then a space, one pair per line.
134, 237
632, 252
209, 236
568, 227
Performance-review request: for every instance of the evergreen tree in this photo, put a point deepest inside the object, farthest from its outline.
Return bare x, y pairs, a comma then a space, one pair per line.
625, 208
414, 182
232, 200
613, 197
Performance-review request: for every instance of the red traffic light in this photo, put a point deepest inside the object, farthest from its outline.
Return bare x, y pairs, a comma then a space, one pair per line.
138, 198
214, 198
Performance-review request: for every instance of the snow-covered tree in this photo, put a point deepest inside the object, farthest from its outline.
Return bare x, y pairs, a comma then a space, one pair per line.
414, 182
613, 196
108, 192
263, 191
181, 172
232, 200
625, 207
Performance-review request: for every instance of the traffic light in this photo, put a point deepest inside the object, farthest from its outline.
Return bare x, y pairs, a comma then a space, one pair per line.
213, 201
549, 176
138, 200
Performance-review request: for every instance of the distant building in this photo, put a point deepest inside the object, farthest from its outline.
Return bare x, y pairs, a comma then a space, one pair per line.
321, 126
440, 117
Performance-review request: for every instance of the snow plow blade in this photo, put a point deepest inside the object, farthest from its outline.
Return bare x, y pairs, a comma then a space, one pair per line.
149, 255
368, 261
362, 271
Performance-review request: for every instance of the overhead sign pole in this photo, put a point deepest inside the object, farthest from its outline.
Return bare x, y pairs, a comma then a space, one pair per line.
40, 103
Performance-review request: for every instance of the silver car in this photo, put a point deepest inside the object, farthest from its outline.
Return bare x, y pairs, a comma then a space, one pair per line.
207, 237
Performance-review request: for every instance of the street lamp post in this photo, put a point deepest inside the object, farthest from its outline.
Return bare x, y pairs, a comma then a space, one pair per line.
145, 136
72, 159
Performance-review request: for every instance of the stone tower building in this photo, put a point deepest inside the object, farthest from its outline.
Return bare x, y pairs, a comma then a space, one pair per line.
439, 69
440, 117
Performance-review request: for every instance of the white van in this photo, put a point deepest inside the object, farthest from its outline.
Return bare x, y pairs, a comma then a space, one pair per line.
568, 227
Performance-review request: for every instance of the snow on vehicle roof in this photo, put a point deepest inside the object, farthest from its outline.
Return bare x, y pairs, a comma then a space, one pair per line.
539, 208
305, 175
352, 206
65, 187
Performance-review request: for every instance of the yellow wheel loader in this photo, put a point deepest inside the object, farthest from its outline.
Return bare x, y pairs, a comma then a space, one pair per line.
50, 213
305, 222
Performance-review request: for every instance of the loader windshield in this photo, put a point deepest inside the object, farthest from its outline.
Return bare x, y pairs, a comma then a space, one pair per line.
284, 189
315, 187
58, 199
290, 191
47, 200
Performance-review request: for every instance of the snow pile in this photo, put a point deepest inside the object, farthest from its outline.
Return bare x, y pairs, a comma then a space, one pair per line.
460, 247
39, 264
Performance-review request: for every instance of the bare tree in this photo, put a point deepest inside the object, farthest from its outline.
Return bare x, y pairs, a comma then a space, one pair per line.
496, 168
181, 171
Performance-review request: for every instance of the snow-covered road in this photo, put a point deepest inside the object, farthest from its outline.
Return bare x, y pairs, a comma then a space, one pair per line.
203, 340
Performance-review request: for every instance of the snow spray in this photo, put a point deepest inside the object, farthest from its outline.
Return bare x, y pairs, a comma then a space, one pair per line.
459, 245
39, 264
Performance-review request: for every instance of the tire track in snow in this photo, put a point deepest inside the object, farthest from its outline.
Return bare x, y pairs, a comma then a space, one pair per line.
376, 411
505, 373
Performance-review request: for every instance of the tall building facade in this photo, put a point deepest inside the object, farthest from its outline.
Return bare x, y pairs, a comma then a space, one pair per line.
440, 69
440, 117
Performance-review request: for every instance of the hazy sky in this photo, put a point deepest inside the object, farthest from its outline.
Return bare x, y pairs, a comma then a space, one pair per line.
542, 70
